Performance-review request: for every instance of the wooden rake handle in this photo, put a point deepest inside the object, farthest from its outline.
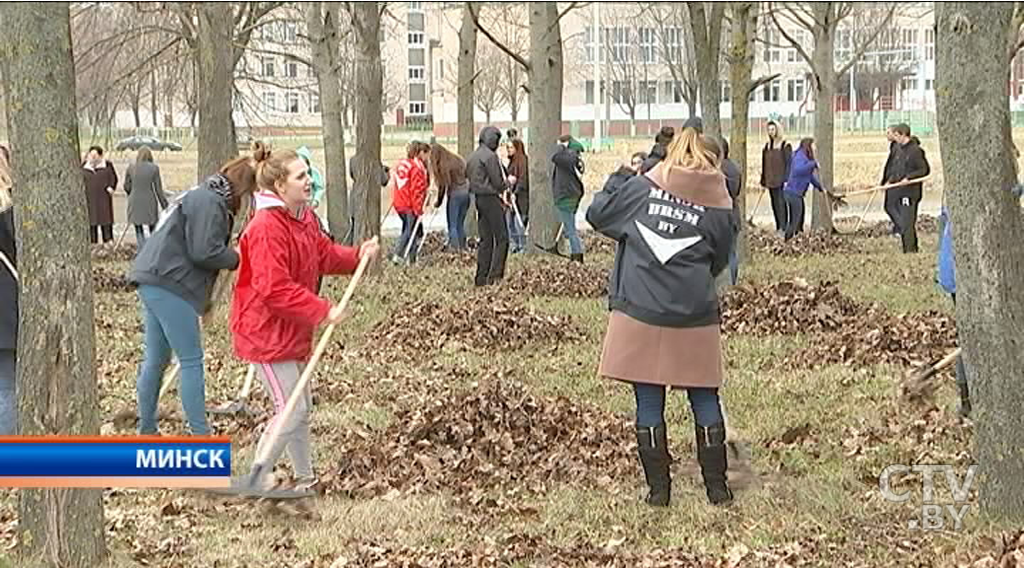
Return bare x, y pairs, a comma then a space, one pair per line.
886, 186
275, 431
10, 265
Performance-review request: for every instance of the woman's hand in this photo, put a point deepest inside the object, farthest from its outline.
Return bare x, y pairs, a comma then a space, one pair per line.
370, 247
336, 315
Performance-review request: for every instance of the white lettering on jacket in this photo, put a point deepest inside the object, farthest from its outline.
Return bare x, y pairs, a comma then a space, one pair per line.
665, 248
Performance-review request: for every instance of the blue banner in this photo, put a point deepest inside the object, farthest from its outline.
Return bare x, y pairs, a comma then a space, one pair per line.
122, 458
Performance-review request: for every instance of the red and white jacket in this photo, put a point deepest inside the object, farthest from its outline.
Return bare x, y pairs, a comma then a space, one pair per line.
410, 188
275, 308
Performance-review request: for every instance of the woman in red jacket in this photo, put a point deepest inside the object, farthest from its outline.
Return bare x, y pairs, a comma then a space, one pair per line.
408, 197
276, 308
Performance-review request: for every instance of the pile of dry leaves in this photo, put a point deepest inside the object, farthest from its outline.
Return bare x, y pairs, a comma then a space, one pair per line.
596, 243
479, 321
841, 330
558, 278
111, 252
803, 244
110, 278
434, 251
495, 435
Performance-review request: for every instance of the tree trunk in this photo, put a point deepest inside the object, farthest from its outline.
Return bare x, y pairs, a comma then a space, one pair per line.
169, 104
545, 100
824, 112
153, 98
216, 66
369, 95
707, 34
135, 99
971, 47
741, 64
57, 391
464, 93
323, 36
465, 90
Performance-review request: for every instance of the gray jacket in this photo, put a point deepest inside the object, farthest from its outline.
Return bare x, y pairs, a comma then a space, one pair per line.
483, 167
674, 239
145, 191
190, 245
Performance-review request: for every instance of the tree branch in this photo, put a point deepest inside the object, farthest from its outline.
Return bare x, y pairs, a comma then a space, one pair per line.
1016, 42
864, 47
572, 6
762, 81
476, 22
794, 43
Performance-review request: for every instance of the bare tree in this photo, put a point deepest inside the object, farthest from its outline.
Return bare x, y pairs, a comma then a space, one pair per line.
57, 391
488, 83
970, 51
365, 18
823, 20
323, 33
675, 41
707, 37
505, 22
466, 78
620, 54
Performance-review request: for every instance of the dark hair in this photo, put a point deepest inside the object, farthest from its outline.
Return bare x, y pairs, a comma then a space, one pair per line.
518, 163
772, 123
512, 133
903, 129
805, 145
99, 150
565, 138
713, 145
641, 155
665, 135
725, 147
442, 163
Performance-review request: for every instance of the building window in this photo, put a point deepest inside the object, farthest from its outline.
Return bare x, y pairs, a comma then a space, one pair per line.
289, 32
929, 85
772, 49
909, 84
416, 38
417, 108
314, 103
648, 95
417, 73
267, 65
270, 101
415, 6
795, 89
648, 53
772, 91
588, 43
618, 44
440, 70
674, 45
726, 92
588, 86
292, 102
909, 45
929, 44
792, 55
842, 45
671, 92
291, 69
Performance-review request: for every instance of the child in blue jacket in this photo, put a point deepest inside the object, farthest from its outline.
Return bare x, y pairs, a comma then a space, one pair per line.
801, 175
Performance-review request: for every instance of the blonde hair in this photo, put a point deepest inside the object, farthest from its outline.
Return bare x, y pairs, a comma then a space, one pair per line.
271, 166
691, 150
6, 184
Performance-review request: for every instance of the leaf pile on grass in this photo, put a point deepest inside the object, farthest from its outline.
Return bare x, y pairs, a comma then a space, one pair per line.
109, 278
1010, 553
434, 251
558, 278
495, 435
110, 253
786, 308
596, 243
480, 321
842, 330
803, 244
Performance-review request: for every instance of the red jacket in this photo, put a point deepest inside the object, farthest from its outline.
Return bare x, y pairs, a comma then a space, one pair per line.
275, 308
410, 186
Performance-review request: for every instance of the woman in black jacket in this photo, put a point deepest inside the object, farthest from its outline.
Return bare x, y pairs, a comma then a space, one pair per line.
175, 272
8, 304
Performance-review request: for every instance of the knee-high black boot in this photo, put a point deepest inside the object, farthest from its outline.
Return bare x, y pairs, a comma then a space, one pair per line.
711, 454
654, 456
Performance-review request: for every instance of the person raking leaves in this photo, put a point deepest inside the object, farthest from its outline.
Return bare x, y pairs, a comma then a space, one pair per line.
675, 228
276, 309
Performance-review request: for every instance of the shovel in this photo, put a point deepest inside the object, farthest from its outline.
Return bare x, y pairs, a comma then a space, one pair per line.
249, 487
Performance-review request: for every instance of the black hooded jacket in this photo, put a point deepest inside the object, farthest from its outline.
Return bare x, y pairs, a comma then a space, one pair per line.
483, 167
909, 162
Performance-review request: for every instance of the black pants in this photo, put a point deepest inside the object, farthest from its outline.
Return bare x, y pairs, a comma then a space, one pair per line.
493, 248
892, 209
94, 233
779, 209
795, 206
907, 203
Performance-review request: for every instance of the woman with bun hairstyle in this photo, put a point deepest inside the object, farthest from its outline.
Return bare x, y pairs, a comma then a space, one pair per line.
174, 273
276, 309
675, 227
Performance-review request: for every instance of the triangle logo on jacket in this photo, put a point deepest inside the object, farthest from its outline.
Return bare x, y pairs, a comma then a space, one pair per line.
665, 248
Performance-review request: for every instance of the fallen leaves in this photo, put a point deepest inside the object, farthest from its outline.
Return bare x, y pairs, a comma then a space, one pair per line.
108, 278
802, 244
558, 278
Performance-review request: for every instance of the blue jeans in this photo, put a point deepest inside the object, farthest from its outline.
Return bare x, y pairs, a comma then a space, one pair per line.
650, 405
171, 323
8, 393
795, 206
568, 219
516, 232
458, 207
408, 222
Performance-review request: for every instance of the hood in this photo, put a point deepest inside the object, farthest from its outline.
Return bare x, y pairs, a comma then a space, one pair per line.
220, 185
490, 136
269, 200
698, 187
306, 155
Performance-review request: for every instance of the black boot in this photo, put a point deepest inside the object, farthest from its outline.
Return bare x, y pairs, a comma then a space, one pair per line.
653, 449
711, 454
578, 257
